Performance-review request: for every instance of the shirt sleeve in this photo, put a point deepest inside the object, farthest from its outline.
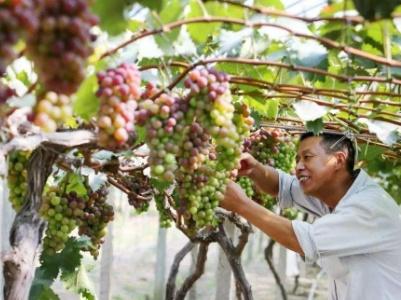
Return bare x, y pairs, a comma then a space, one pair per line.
290, 194
355, 229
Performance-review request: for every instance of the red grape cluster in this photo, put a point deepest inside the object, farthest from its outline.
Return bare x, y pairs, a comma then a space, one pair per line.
16, 17
62, 43
52, 111
119, 90
163, 120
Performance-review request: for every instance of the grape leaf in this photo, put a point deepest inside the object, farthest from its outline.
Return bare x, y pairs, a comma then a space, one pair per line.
315, 126
87, 104
76, 184
111, 14
67, 261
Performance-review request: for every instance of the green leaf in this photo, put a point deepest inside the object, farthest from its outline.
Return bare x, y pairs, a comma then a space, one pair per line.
373, 9
267, 108
315, 126
202, 31
86, 103
140, 135
172, 11
111, 14
160, 185
272, 108
152, 4
67, 261
270, 3
76, 184
79, 282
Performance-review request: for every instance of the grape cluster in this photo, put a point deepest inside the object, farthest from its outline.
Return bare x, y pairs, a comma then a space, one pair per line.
272, 147
246, 184
196, 141
119, 90
16, 18
96, 215
66, 211
165, 130
52, 111
275, 148
61, 211
18, 178
62, 43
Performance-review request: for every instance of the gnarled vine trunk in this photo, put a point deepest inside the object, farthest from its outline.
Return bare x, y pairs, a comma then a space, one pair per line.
27, 229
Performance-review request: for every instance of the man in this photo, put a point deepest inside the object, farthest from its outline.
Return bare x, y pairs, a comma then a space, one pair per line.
357, 236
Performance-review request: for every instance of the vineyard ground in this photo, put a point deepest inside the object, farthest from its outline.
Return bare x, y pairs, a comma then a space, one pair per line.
132, 277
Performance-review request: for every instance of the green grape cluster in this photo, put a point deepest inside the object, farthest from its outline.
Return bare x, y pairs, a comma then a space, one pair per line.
61, 211
246, 185
17, 178
196, 141
52, 111
164, 217
66, 211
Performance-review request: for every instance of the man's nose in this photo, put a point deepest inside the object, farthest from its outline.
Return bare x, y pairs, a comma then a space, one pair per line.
299, 166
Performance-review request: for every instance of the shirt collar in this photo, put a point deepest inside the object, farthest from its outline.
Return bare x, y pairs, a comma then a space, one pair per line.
357, 185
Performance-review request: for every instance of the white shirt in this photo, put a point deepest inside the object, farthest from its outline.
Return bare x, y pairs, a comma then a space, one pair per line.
358, 244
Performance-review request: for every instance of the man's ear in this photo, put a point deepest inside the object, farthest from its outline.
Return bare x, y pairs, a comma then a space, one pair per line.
341, 159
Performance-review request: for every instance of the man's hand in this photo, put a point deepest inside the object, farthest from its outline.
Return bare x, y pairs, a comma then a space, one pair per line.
248, 165
234, 198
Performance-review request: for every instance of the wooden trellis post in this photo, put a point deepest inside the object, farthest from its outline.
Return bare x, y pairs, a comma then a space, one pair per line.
107, 253
160, 268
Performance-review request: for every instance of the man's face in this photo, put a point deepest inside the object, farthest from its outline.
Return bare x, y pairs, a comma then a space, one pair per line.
315, 168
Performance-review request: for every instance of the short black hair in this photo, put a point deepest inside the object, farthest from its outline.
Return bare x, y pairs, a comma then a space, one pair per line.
333, 142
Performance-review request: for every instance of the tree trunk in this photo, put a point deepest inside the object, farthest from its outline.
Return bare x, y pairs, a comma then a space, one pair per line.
223, 272
27, 229
192, 295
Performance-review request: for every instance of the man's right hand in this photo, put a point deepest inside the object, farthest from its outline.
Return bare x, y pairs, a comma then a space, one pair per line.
265, 177
248, 165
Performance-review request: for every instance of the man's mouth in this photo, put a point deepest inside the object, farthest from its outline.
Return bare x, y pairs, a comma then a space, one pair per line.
303, 178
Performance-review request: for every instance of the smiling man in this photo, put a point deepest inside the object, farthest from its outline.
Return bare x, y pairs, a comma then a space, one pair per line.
357, 236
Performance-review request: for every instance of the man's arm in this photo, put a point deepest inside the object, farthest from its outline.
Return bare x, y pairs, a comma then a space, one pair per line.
278, 228
265, 178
